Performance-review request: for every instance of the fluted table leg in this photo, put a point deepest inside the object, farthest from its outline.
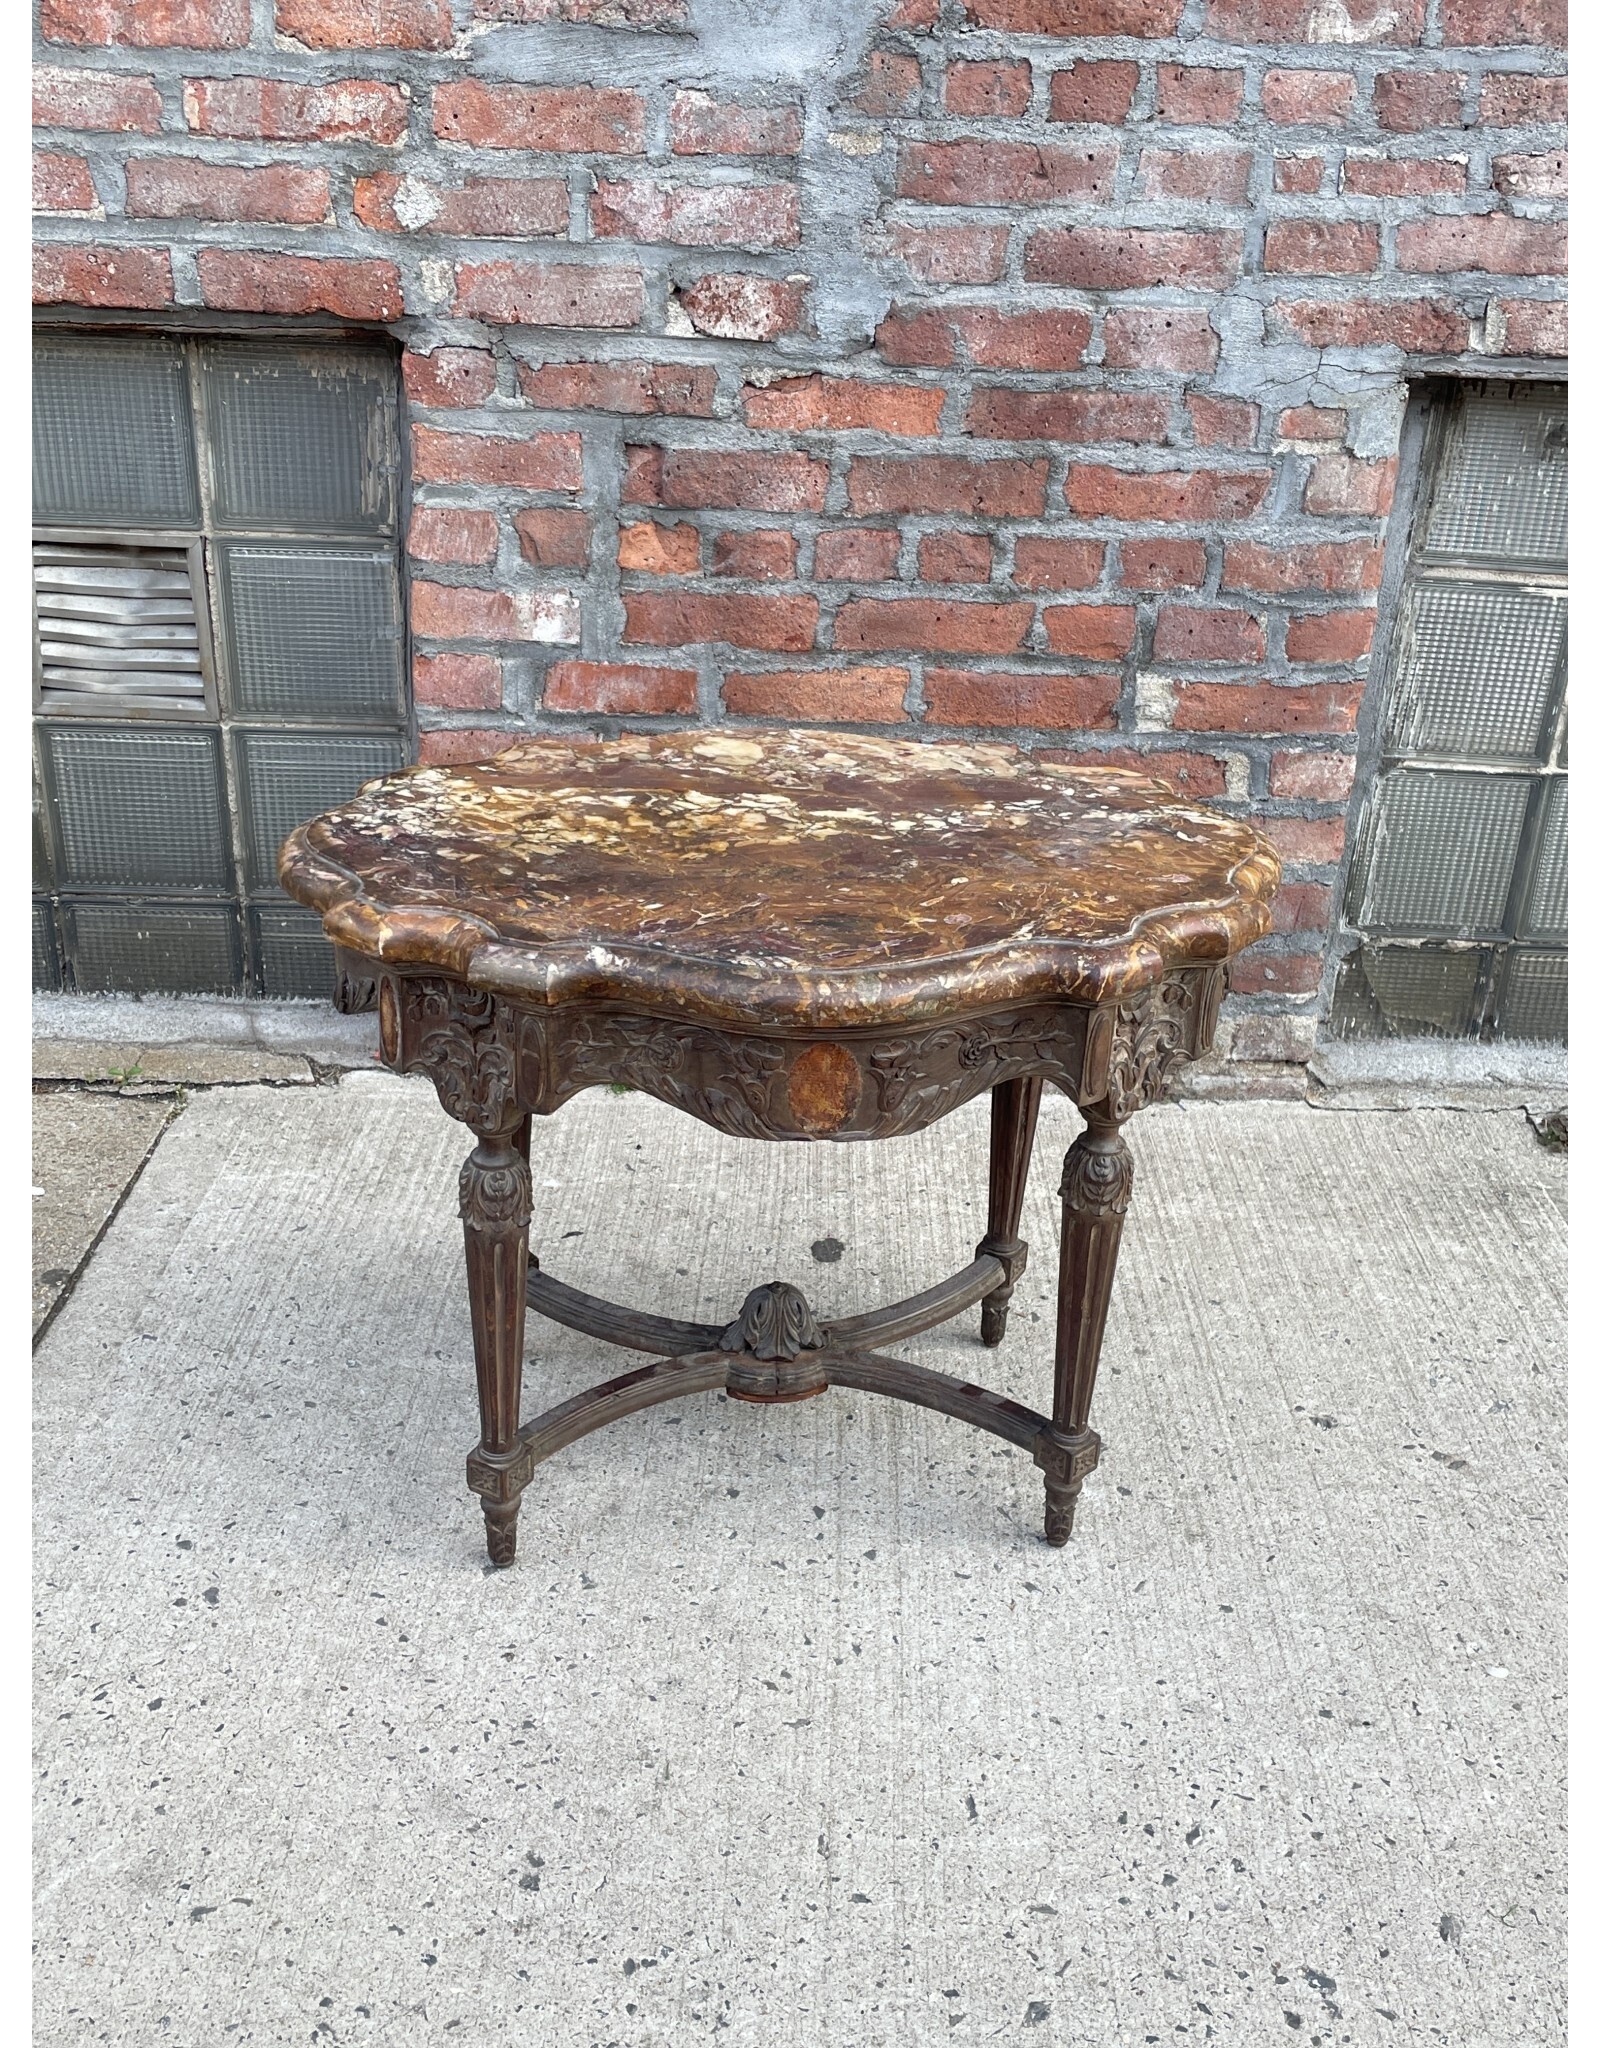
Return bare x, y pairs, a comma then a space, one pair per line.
1013, 1115
1096, 1183
496, 1209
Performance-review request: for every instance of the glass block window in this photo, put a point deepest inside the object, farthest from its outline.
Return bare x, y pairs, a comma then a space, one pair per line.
1458, 881
219, 646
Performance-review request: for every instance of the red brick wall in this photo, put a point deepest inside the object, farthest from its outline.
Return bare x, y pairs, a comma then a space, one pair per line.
1037, 368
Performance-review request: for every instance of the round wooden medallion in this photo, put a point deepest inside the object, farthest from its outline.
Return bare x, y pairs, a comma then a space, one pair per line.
824, 1088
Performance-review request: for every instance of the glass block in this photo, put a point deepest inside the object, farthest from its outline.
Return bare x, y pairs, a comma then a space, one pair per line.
116, 624
153, 948
310, 632
1476, 668
1501, 489
137, 807
285, 778
1408, 992
113, 440
1545, 913
293, 956
46, 960
1438, 853
302, 438
1533, 996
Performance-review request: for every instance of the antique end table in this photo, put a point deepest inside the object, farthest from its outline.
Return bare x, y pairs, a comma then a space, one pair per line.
789, 934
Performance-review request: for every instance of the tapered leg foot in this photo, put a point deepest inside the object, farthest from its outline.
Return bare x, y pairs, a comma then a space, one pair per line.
500, 1528
992, 1319
1060, 1505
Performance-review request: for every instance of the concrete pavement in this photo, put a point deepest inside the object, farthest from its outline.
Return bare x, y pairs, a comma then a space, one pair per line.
787, 1731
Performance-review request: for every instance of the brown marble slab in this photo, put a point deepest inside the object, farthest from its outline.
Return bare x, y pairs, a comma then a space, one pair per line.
783, 877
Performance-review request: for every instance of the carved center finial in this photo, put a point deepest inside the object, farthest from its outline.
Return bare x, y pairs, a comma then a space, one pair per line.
775, 1322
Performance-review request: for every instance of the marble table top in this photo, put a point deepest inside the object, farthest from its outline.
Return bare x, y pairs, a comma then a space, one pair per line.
782, 876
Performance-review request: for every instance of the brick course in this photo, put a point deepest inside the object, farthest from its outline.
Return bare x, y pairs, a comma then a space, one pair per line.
1037, 376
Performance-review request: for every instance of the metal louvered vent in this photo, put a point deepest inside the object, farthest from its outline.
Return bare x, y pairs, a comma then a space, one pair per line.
118, 625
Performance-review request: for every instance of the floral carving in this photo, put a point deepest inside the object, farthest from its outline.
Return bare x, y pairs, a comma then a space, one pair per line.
457, 1037
1097, 1177
724, 1080
775, 1322
496, 1192
921, 1077
1151, 1039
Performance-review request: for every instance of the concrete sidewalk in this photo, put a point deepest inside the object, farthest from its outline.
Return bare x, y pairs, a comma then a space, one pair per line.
787, 1730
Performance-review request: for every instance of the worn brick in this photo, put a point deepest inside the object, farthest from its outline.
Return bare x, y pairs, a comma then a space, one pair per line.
451, 533
1403, 177
450, 376
458, 743
834, 404
832, 696
1162, 564
947, 625
1117, 259
534, 462
1097, 492
974, 173
549, 294
939, 483
148, 24
1002, 415
441, 611
955, 557
515, 207
753, 482
457, 682
1309, 842
1223, 422
994, 88
1198, 95
1323, 778
1260, 973
1322, 248
1093, 632
1420, 326
1046, 564
891, 83
696, 216
553, 538
75, 275
945, 255
1343, 485
1041, 702
991, 340
1534, 327
1312, 423
1539, 176
1331, 636
1160, 338
1187, 773
858, 554
1483, 241
1266, 707
1518, 99
110, 102
1409, 101
176, 188
1077, 17
1313, 566
620, 687
767, 556
654, 550
251, 281
785, 625
270, 110
1220, 175
702, 125
62, 184
1302, 907
639, 14
1093, 90
735, 306
367, 24
685, 389
561, 118
1319, 99
1310, 21
1298, 174
1533, 24
1208, 633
